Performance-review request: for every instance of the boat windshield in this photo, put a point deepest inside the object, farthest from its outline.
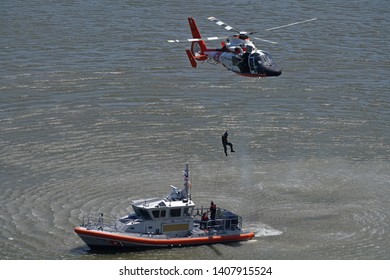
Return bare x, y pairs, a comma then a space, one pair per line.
158, 214
143, 213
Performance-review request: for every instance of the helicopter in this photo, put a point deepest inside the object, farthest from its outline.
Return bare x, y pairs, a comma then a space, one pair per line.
238, 53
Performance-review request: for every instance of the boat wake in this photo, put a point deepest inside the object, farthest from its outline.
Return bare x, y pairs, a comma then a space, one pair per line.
262, 230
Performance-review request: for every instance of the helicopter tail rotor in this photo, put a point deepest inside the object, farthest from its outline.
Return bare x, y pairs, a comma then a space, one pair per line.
196, 53
193, 58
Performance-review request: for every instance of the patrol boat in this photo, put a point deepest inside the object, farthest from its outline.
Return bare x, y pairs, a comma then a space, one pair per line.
163, 222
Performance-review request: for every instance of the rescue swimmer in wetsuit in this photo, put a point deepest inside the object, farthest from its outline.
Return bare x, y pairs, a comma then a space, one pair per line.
225, 143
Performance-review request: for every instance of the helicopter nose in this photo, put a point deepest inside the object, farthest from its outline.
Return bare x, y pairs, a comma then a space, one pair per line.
273, 71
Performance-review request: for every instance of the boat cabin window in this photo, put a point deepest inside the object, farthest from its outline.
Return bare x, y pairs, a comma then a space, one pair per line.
175, 212
144, 214
158, 213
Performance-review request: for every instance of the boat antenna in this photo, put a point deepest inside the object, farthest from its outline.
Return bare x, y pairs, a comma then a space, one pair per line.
187, 183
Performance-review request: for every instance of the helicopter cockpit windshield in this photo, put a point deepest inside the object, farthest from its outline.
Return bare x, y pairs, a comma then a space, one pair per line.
261, 62
267, 59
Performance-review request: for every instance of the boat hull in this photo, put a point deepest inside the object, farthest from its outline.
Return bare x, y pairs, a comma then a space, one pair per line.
109, 240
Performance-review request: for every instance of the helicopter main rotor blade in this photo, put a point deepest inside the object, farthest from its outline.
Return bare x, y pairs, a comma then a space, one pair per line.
264, 40
228, 27
290, 24
224, 25
197, 39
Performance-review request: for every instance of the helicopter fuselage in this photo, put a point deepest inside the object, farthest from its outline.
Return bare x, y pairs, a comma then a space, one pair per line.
255, 64
241, 57
238, 54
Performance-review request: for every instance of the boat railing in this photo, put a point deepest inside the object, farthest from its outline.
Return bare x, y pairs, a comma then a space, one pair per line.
99, 221
224, 220
222, 225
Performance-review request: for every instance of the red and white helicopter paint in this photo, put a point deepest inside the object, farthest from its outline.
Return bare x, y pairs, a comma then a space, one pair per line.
238, 53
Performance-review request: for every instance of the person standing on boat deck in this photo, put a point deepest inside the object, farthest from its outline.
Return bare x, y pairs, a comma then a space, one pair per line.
205, 219
225, 143
213, 210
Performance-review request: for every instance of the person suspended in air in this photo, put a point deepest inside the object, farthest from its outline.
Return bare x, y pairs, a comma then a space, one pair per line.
226, 143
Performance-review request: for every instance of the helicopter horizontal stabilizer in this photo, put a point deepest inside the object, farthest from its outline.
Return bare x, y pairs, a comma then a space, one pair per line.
191, 58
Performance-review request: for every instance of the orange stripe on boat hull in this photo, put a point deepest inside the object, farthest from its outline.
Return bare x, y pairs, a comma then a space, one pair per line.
142, 241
